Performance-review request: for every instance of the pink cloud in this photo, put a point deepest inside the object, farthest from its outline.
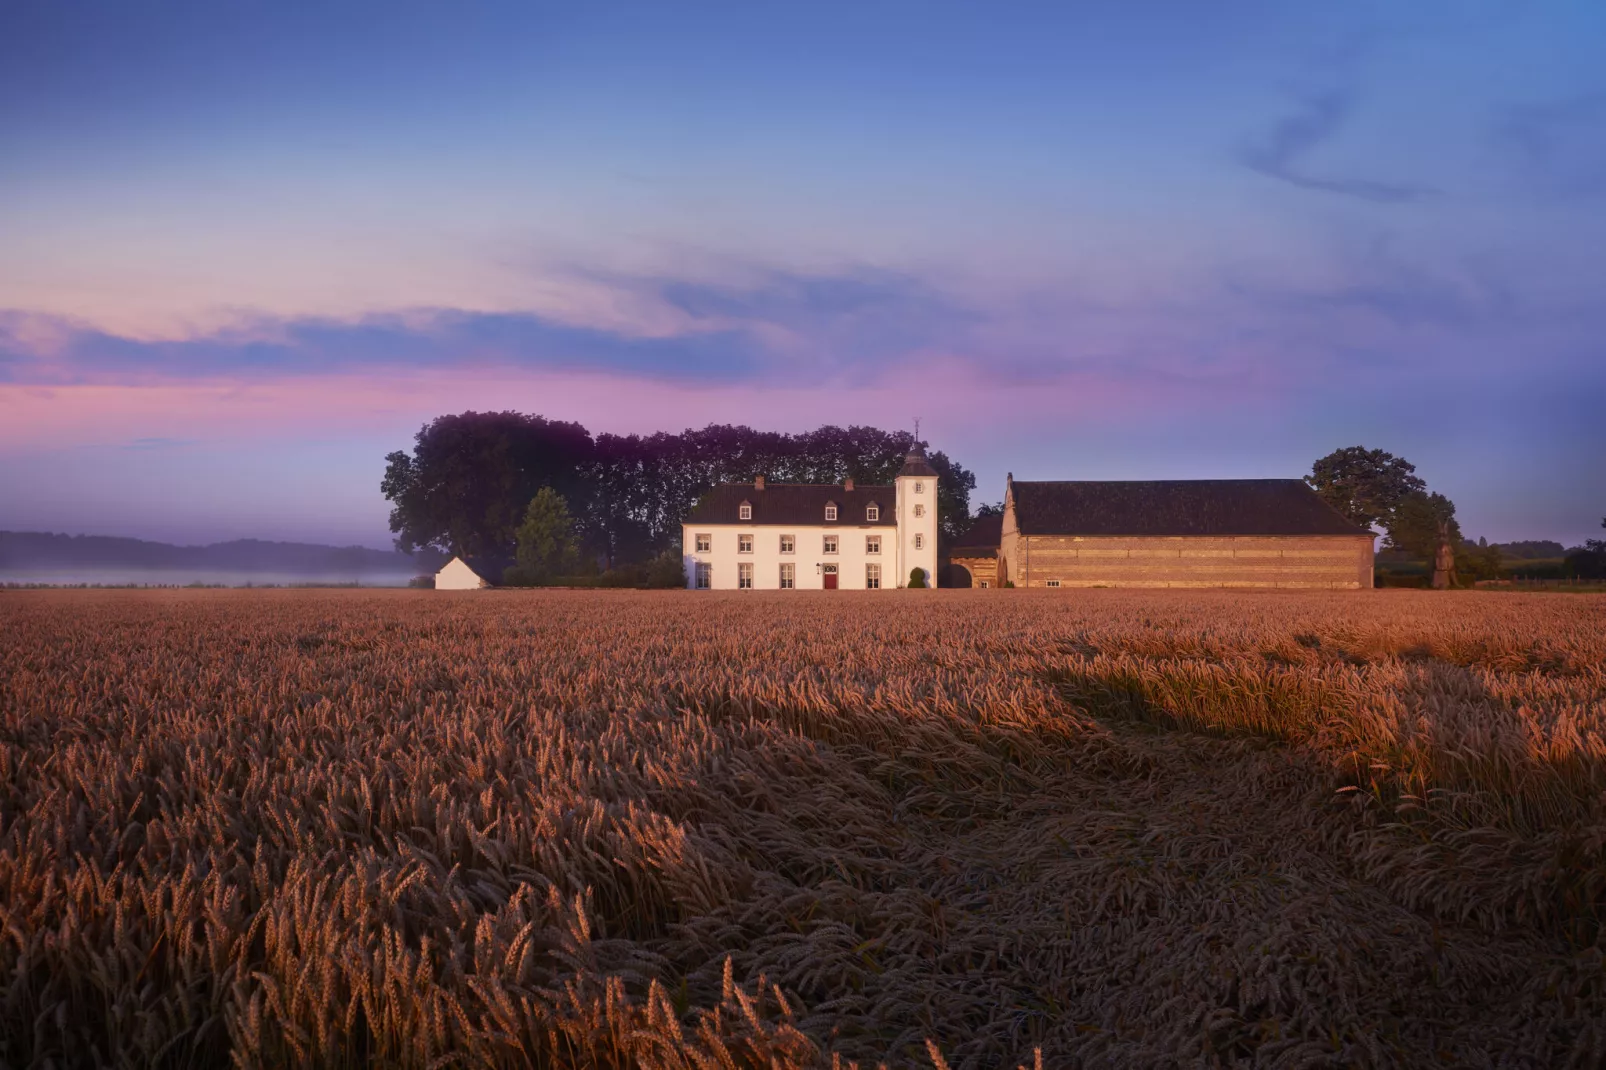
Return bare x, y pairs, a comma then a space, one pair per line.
949, 395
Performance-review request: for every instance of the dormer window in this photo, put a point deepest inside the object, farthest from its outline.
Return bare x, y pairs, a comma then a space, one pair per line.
745, 511
830, 511
872, 513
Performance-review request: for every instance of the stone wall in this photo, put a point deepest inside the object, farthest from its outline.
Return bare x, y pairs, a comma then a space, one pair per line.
1305, 561
982, 569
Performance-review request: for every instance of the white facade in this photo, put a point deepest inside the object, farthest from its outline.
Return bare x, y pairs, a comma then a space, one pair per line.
917, 528
455, 575
809, 556
741, 537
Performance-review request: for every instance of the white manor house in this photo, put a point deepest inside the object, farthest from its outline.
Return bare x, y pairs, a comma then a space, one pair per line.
810, 536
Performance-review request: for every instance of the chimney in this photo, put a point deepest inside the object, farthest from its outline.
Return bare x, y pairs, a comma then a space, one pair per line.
847, 484
758, 482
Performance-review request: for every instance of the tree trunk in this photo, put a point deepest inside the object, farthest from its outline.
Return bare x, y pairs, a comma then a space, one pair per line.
1444, 560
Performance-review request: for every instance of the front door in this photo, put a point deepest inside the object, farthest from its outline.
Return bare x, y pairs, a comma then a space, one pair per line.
830, 577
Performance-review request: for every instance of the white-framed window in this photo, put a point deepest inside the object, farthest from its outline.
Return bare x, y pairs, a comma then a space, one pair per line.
745, 511
788, 544
872, 513
788, 576
829, 544
830, 512
1053, 583
920, 540
872, 544
872, 577
744, 576
920, 488
920, 510
744, 544
985, 585
705, 543
705, 575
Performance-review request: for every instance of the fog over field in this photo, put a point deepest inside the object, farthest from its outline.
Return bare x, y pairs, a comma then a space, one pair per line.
42, 558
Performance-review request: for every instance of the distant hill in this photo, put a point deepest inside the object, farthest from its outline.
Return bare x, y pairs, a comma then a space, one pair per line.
20, 550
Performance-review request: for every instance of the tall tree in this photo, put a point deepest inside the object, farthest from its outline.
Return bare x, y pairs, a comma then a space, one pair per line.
547, 543
465, 486
1365, 485
1424, 525
1589, 560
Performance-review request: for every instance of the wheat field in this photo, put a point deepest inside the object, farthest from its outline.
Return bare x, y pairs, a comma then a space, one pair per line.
966, 829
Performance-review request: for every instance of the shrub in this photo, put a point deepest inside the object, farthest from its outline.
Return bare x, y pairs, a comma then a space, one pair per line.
917, 577
519, 576
425, 582
666, 571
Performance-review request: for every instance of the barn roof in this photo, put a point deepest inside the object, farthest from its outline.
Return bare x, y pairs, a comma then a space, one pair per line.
981, 539
795, 504
1177, 507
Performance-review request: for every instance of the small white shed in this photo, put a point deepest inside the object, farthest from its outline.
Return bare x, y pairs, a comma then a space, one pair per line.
469, 574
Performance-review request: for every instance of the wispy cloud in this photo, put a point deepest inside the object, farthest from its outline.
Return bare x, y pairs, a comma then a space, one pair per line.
742, 323
1558, 147
267, 348
1283, 151
747, 324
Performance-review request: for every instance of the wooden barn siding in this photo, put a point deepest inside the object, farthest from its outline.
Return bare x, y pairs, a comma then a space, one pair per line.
1243, 561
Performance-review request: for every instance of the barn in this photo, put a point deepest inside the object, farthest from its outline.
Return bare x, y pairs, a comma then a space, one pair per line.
464, 573
973, 557
1252, 533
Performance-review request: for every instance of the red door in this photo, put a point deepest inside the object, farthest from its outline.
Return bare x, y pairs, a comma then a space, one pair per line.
830, 577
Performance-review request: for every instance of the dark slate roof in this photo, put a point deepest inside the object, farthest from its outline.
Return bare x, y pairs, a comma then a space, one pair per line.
915, 464
794, 504
1169, 507
982, 539
489, 567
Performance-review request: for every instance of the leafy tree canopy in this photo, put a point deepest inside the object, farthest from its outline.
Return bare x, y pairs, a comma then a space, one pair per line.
1365, 485
465, 487
1415, 525
1530, 550
470, 477
547, 543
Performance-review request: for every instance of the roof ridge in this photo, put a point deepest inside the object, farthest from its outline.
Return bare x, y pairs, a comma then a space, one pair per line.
1207, 479
1176, 507
856, 485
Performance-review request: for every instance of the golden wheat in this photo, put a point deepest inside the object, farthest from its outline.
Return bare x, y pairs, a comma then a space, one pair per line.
660, 829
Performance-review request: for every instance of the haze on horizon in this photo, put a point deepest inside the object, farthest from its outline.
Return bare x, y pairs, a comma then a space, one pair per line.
246, 250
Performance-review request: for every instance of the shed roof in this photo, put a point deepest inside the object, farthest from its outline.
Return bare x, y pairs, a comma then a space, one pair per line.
795, 505
1176, 507
981, 538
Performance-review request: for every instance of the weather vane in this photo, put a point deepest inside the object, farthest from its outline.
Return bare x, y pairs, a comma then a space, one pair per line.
917, 430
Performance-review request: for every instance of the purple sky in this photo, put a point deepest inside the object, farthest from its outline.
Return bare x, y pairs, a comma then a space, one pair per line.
246, 249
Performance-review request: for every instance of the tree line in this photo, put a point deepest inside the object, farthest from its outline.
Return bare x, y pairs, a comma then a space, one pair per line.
1376, 489
468, 484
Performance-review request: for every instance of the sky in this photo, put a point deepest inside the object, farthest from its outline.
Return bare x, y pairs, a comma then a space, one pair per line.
247, 249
